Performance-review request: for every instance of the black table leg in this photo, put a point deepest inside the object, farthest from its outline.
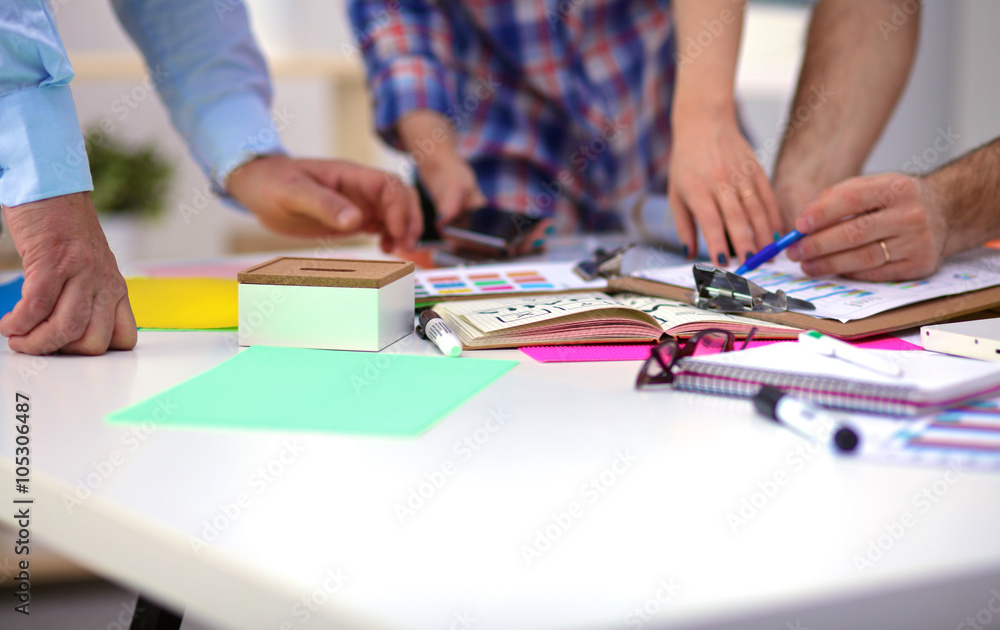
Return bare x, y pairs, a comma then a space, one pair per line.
151, 616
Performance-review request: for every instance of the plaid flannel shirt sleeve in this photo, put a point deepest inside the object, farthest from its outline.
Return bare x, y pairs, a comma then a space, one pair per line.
397, 39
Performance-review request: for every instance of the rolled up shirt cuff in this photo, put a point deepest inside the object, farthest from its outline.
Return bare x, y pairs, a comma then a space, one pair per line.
405, 85
233, 131
42, 154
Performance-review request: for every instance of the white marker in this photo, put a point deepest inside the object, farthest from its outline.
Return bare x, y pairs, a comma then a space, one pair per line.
434, 328
813, 422
828, 346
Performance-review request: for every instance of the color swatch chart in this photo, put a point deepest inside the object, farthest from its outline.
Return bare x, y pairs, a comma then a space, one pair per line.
500, 280
846, 300
968, 435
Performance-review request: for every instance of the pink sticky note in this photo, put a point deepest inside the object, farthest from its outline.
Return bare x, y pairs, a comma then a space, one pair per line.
614, 352
194, 269
640, 352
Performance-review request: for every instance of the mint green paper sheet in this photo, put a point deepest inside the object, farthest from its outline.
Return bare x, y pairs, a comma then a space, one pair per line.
294, 389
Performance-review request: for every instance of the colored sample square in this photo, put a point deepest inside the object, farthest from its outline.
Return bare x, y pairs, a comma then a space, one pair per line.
537, 285
502, 287
297, 389
484, 276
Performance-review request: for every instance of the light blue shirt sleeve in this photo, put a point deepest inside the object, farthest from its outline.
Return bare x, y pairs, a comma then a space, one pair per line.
210, 74
203, 62
41, 147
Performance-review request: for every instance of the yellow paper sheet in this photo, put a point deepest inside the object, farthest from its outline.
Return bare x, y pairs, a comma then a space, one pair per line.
189, 303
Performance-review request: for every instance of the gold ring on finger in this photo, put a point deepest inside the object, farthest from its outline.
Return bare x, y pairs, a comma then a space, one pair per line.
885, 252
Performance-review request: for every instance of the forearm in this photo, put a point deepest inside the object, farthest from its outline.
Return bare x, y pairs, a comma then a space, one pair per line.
427, 135
211, 76
857, 61
967, 190
708, 41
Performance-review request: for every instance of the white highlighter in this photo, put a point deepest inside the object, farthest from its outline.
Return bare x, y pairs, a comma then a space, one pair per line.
828, 346
434, 328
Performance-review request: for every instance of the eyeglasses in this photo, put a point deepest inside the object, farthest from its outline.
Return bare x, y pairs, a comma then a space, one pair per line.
658, 368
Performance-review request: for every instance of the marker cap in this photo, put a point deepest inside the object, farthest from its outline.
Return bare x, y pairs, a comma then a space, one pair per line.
766, 401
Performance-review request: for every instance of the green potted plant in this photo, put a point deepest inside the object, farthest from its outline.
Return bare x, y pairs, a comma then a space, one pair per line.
131, 184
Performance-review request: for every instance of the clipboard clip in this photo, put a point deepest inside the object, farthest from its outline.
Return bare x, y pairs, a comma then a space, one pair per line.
726, 292
603, 264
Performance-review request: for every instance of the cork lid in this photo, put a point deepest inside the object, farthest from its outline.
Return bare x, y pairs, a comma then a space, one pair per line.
326, 272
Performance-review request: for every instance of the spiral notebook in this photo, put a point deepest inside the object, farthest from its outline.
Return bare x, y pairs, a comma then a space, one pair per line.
929, 382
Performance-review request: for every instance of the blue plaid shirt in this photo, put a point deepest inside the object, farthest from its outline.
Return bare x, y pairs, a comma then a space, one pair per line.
561, 107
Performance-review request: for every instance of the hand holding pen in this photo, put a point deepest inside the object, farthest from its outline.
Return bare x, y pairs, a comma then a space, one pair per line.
770, 251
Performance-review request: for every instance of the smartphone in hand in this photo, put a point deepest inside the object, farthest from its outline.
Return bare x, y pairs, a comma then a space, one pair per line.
490, 230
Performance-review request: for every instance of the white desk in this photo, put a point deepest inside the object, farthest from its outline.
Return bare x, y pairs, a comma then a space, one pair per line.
329, 509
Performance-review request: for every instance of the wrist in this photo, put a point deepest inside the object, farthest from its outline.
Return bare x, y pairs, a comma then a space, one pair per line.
233, 171
959, 235
708, 106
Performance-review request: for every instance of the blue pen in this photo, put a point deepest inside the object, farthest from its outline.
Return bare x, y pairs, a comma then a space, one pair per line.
770, 251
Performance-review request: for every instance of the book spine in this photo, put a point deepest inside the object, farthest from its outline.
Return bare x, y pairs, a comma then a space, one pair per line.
893, 400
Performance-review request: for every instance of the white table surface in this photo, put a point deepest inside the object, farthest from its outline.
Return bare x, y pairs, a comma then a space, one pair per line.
318, 541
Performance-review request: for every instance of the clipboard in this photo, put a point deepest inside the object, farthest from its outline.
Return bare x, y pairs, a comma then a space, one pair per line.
927, 312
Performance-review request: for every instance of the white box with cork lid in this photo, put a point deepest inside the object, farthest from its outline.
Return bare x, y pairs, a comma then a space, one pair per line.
326, 303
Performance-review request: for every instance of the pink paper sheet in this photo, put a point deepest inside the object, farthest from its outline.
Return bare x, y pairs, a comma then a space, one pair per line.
194, 270
640, 352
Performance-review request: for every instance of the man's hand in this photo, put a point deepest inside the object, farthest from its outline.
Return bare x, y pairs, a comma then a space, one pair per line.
74, 300
448, 179
328, 197
717, 184
880, 228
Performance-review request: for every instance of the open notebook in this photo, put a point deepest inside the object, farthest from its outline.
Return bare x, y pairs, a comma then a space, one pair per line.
587, 318
929, 381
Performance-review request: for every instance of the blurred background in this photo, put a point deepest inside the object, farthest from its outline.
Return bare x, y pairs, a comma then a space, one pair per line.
324, 111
